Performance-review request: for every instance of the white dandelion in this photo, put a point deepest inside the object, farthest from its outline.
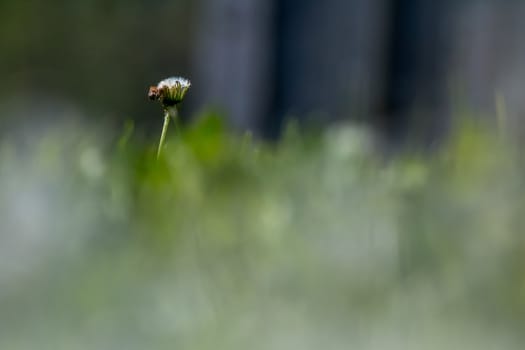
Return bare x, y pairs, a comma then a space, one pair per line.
170, 92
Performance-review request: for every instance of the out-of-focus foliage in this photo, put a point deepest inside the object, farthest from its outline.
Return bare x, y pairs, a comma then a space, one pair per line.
228, 243
82, 51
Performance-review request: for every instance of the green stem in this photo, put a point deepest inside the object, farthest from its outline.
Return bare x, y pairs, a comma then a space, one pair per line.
164, 131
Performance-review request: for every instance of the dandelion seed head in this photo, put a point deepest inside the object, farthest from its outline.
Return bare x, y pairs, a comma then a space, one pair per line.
174, 82
170, 91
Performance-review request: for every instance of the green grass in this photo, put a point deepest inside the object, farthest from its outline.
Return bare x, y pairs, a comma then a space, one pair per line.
230, 243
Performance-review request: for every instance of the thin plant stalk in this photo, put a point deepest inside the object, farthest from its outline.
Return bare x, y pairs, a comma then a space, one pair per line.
169, 92
169, 113
164, 131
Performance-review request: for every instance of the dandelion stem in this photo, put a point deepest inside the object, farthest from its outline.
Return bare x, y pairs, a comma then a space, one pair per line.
164, 131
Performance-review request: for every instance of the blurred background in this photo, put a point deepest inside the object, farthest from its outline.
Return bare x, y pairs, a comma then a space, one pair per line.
299, 234
398, 65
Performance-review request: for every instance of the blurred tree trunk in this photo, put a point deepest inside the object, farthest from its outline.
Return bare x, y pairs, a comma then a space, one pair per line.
416, 93
399, 61
489, 58
233, 58
454, 54
330, 58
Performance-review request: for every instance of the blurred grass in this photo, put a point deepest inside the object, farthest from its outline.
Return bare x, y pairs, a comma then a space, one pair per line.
231, 243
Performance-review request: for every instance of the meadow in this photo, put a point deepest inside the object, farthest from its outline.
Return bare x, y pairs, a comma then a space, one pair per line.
319, 240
